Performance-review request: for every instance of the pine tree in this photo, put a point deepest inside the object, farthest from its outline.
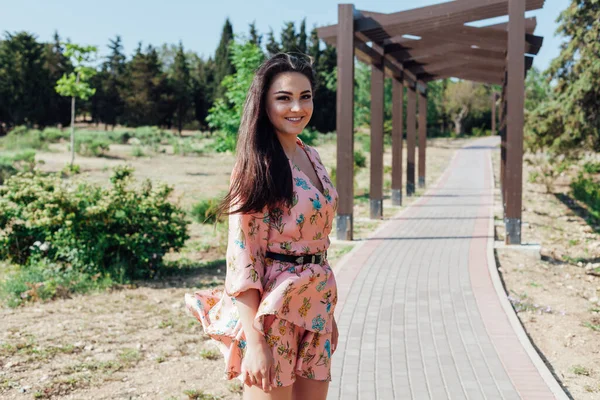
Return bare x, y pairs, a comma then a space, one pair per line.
302, 45
204, 86
314, 47
570, 120
109, 101
22, 74
272, 45
289, 40
182, 87
255, 37
58, 108
223, 65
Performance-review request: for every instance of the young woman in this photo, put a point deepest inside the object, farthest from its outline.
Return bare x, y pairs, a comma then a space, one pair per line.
274, 322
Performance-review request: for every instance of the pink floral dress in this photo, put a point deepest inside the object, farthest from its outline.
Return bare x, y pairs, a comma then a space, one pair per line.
303, 296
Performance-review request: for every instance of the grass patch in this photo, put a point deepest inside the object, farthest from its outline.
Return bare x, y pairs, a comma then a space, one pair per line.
594, 327
235, 387
130, 356
195, 394
210, 354
580, 370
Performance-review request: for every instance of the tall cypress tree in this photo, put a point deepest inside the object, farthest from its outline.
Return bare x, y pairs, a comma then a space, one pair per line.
182, 87
204, 86
272, 45
108, 98
223, 65
302, 39
58, 108
255, 37
289, 40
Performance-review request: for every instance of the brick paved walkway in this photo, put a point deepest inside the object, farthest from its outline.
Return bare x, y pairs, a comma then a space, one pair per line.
419, 317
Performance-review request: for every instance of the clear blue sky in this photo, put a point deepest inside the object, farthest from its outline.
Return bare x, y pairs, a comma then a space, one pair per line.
198, 23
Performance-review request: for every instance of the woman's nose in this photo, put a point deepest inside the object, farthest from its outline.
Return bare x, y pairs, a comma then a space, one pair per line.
295, 106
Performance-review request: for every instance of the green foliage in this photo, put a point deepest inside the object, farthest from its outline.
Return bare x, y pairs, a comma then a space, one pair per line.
591, 167
569, 121
547, 167
121, 231
43, 280
91, 145
463, 98
309, 136
22, 138
10, 164
586, 190
205, 211
76, 83
226, 113
360, 159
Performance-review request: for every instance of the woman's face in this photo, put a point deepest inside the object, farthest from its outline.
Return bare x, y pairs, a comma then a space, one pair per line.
289, 103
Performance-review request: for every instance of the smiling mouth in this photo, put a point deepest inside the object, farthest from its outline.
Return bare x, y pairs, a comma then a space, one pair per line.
295, 119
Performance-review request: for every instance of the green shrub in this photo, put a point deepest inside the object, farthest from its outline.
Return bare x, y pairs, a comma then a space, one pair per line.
54, 135
91, 145
137, 151
592, 167
20, 138
185, 147
309, 136
11, 164
360, 159
224, 142
205, 211
45, 281
587, 191
480, 132
120, 230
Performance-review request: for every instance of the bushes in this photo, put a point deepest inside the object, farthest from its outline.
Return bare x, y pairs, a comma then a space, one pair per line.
120, 231
587, 191
11, 164
205, 211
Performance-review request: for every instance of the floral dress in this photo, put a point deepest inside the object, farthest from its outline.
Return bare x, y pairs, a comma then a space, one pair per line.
296, 298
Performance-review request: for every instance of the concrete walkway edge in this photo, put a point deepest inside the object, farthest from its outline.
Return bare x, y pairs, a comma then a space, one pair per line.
522, 336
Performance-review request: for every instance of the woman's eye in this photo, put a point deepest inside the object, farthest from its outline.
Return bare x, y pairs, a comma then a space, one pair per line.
307, 96
283, 98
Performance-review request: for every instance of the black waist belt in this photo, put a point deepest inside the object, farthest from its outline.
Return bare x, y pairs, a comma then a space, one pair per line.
303, 259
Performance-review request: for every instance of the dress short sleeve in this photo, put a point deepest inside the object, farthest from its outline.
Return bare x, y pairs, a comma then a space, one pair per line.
246, 248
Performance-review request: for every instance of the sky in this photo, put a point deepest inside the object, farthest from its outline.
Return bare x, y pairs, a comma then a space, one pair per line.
198, 24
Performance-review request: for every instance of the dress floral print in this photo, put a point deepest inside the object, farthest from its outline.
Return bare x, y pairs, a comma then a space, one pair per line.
297, 301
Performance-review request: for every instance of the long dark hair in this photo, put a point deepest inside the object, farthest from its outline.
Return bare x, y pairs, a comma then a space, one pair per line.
262, 176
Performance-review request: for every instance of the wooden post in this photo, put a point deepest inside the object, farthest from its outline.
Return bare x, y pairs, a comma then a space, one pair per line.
411, 136
515, 120
397, 139
503, 150
345, 121
422, 137
376, 184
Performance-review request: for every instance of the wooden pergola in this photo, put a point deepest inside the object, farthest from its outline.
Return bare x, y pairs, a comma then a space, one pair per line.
413, 48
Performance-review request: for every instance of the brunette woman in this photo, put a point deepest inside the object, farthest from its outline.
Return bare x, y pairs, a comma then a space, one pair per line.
274, 321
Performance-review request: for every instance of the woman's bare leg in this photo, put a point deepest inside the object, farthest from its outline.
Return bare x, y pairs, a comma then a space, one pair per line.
310, 389
277, 393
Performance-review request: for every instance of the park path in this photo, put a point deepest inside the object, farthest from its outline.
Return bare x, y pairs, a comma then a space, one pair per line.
418, 313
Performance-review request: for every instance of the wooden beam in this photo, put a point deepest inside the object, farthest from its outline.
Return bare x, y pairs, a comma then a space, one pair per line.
345, 121
397, 140
422, 138
411, 135
515, 121
376, 181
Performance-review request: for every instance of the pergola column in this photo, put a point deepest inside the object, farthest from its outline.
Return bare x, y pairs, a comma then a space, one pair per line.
397, 134
411, 136
376, 184
515, 120
345, 121
422, 137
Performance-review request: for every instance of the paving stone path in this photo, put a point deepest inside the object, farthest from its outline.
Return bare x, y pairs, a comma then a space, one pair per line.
419, 317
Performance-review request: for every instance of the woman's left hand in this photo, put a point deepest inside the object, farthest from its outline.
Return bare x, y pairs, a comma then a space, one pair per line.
334, 337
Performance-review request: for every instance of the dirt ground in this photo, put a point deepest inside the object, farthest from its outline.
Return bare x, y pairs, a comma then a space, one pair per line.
557, 295
138, 341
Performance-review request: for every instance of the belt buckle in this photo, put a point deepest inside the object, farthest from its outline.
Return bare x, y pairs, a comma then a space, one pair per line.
300, 260
312, 260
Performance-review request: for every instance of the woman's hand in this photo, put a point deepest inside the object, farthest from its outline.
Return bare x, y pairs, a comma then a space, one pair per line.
334, 337
257, 365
